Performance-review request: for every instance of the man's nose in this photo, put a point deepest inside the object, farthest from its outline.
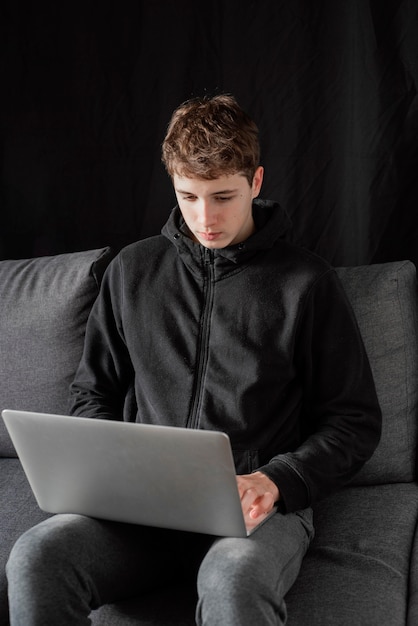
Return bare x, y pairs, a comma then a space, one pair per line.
207, 213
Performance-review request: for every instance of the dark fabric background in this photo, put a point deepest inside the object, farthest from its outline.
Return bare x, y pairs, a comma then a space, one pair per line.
87, 91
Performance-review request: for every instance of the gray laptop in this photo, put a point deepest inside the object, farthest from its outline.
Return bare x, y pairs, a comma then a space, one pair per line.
153, 475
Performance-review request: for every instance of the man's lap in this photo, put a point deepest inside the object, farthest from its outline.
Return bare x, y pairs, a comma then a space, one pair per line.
124, 560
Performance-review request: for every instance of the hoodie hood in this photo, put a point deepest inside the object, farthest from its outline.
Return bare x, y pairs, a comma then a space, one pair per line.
272, 224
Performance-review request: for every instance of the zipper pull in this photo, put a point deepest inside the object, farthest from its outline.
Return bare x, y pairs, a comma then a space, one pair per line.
209, 256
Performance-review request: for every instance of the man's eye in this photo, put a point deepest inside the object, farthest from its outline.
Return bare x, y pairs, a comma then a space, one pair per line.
189, 198
223, 198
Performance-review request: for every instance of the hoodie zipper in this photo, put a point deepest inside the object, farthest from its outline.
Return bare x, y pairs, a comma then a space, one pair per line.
203, 339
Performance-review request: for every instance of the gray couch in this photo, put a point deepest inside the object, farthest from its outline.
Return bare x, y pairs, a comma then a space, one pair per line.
362, 568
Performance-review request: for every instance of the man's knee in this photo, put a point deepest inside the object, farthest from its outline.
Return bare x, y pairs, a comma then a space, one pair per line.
42, 547
230, 566
233, 587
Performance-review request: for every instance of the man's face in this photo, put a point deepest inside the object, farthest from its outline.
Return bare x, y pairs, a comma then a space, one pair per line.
218, 212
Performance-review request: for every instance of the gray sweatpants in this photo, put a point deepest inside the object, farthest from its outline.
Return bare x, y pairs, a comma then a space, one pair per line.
68, 565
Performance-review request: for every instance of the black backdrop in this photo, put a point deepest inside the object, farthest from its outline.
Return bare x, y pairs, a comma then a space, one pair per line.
87, 91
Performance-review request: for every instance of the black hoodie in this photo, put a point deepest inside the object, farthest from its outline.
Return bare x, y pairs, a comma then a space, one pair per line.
256, 339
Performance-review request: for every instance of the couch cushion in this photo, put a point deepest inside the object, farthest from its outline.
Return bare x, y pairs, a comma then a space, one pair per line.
358, 567
384, 300
44, 305
413, 584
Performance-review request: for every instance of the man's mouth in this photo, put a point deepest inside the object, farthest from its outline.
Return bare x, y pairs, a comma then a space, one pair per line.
209, 236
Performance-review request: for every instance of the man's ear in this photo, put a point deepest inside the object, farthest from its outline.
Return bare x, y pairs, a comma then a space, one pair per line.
257, 181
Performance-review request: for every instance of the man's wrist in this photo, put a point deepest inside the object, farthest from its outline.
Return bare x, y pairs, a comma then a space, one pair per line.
270, 486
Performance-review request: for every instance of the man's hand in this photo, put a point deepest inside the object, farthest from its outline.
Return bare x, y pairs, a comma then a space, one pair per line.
258, 494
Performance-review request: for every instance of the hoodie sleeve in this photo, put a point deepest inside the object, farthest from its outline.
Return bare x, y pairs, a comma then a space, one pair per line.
341, 417
105, 372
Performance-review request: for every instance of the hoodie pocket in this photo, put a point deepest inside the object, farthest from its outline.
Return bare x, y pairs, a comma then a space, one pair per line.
246, 461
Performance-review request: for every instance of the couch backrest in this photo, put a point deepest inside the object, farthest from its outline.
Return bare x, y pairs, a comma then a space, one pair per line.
384, 299
44, 305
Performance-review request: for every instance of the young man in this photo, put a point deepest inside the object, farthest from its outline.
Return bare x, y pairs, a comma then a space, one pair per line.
219, 323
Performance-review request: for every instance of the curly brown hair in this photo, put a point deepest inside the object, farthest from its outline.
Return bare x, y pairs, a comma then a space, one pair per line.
211, 137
